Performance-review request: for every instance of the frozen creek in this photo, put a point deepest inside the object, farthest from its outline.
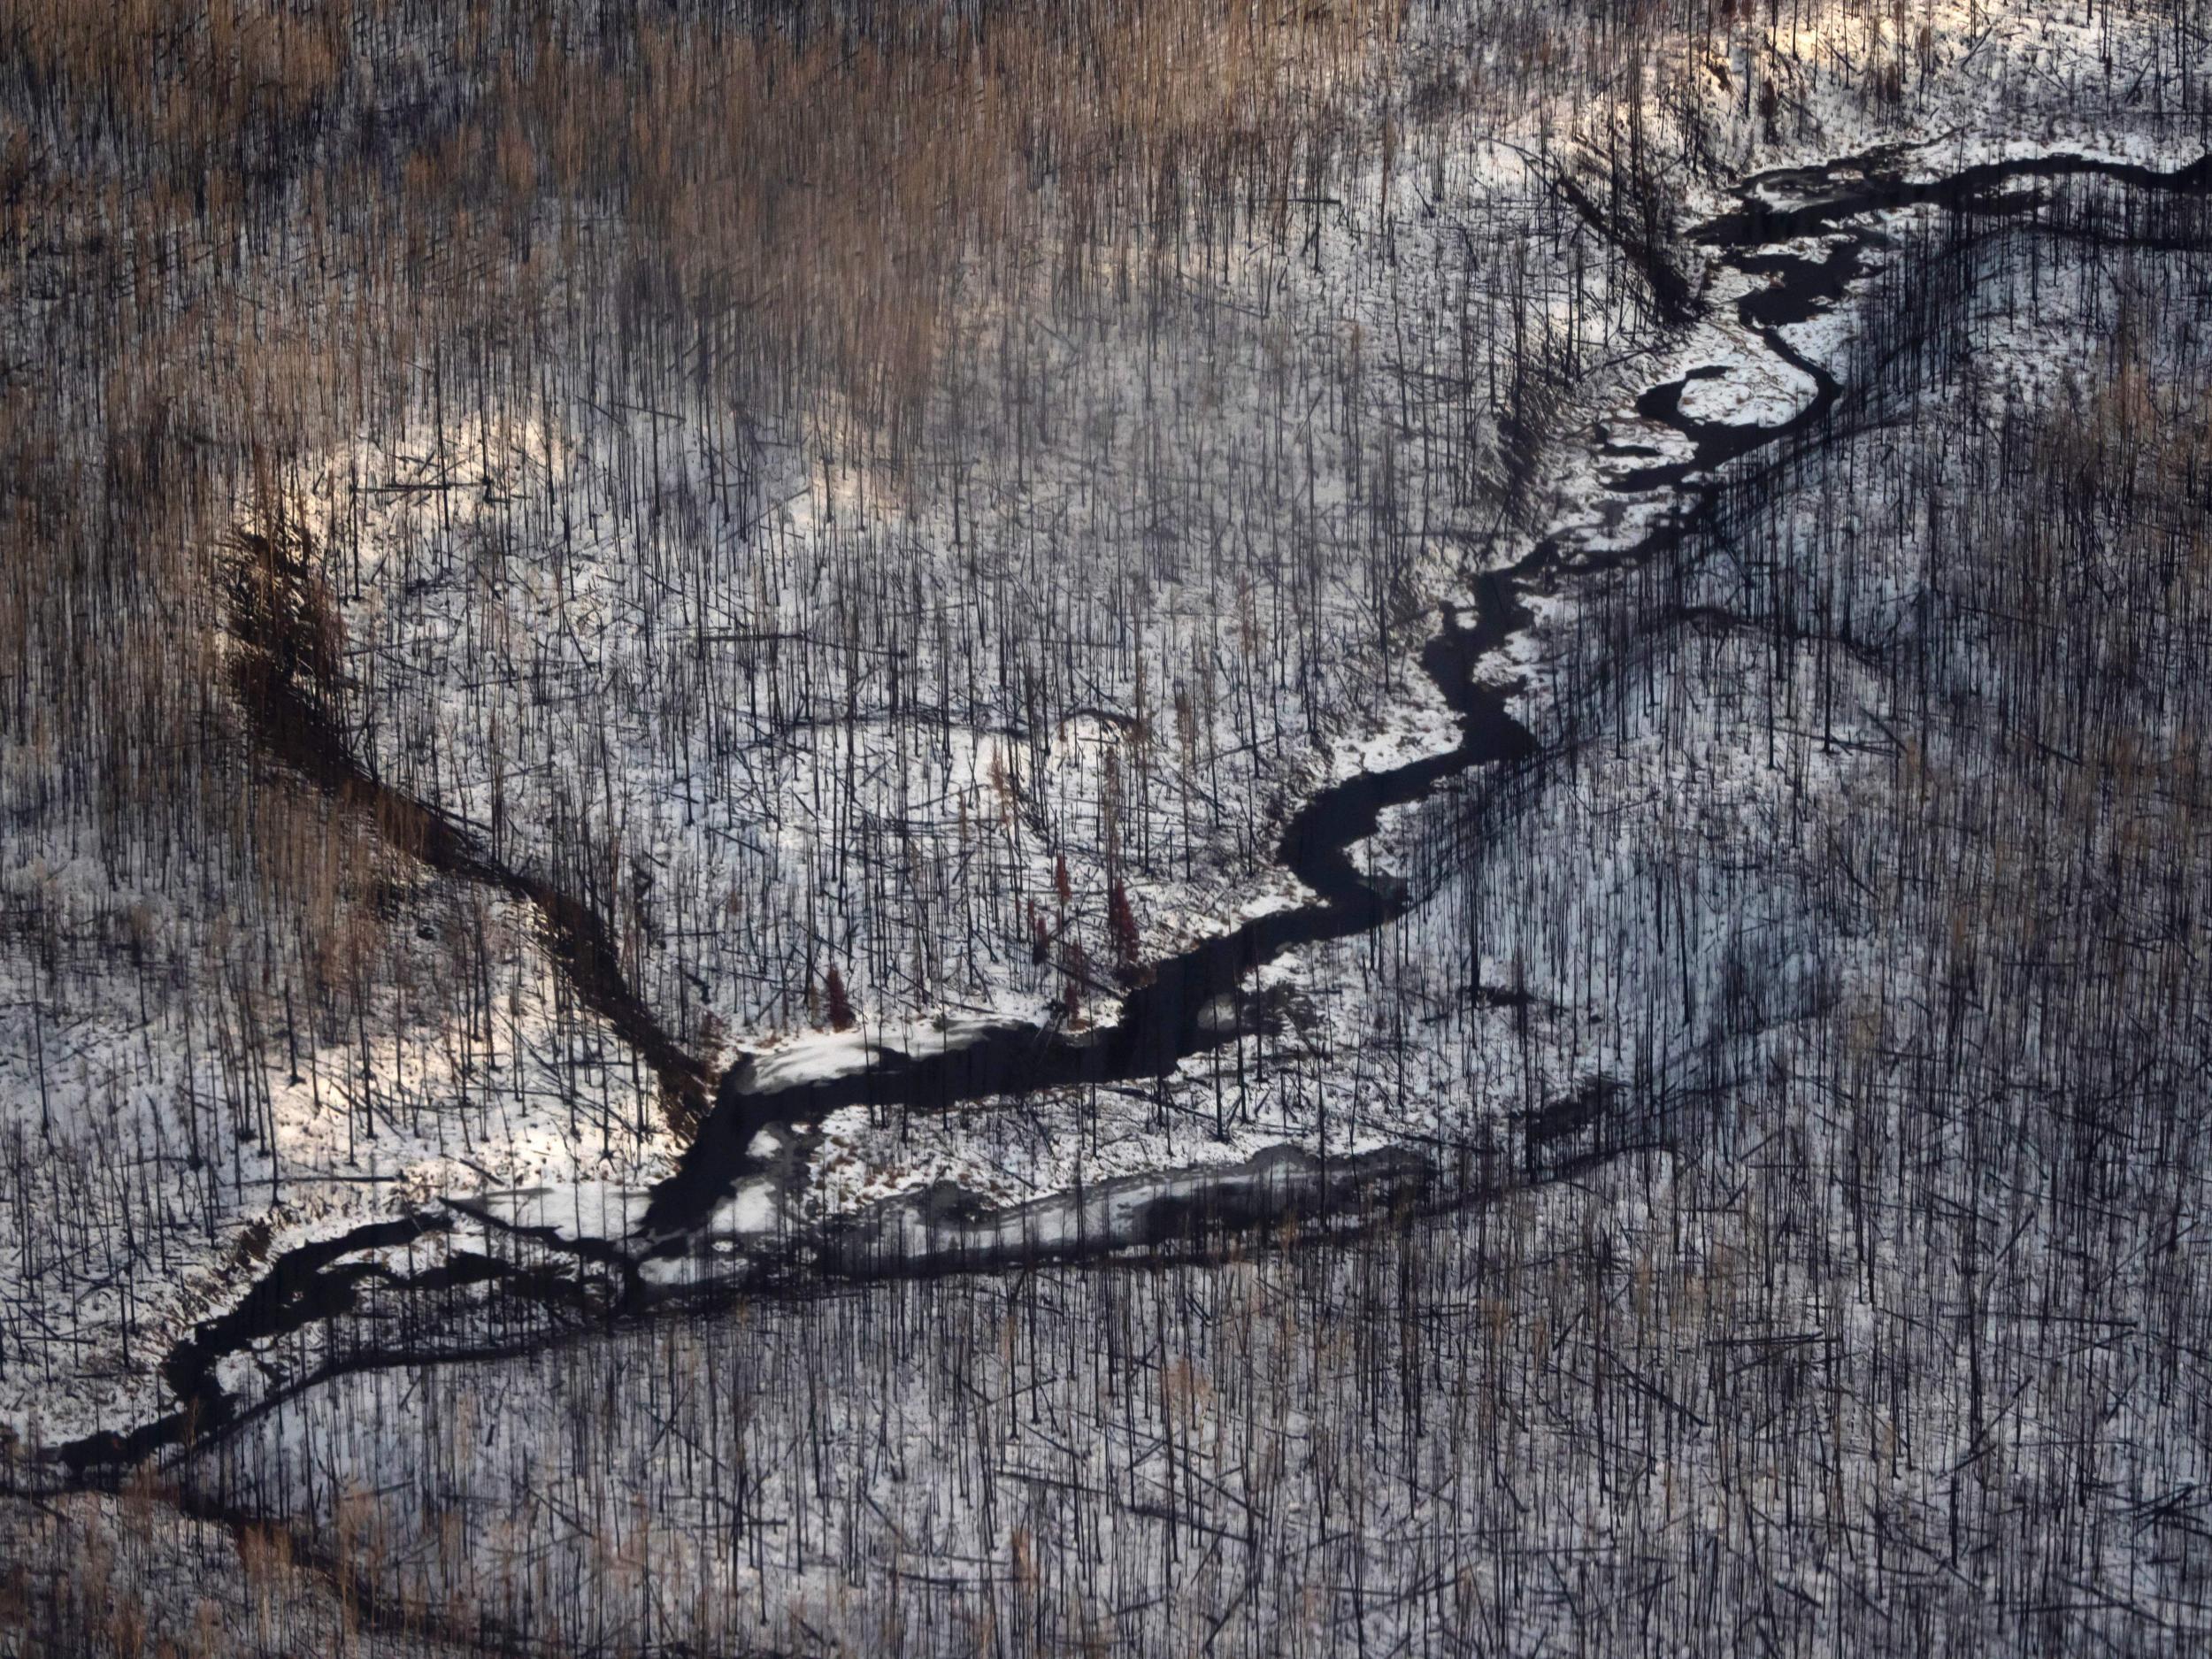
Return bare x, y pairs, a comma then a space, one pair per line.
1800, 239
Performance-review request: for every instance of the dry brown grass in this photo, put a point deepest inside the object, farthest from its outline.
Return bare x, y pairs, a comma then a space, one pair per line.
834, 191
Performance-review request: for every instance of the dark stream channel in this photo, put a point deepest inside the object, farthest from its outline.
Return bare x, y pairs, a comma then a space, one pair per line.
283, 683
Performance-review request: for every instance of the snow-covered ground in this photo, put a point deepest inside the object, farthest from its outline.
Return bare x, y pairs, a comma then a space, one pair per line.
1862, 1356
775, 705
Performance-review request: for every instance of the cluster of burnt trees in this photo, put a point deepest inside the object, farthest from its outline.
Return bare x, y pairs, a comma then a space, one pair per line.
649, 320
327, 282
1900, 1343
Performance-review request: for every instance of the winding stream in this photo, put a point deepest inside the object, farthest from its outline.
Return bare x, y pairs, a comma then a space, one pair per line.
1162, 1021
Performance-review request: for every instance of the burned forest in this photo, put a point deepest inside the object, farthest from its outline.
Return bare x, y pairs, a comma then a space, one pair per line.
1110, 826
